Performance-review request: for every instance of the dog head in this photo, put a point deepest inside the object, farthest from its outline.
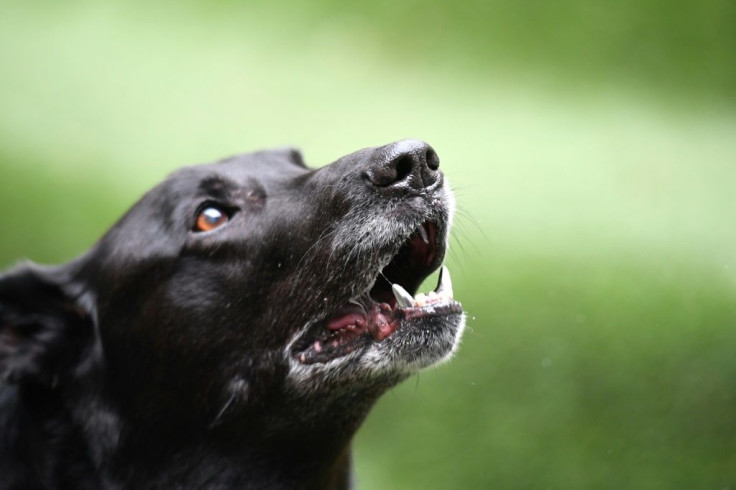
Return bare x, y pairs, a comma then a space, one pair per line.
246, 289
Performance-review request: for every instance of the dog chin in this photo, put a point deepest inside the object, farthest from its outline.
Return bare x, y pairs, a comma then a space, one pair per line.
415, 345
412, 349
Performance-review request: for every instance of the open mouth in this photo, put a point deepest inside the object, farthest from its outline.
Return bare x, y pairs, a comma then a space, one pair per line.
389, 304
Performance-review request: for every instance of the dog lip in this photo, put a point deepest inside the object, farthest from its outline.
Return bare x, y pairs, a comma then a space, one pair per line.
349, 332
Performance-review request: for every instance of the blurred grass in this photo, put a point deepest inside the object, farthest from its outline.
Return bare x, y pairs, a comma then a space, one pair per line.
612, 374
593, 247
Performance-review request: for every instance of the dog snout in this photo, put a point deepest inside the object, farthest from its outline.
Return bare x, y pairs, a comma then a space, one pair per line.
404, 166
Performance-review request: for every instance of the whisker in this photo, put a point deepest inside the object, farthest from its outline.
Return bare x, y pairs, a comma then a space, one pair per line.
223, 410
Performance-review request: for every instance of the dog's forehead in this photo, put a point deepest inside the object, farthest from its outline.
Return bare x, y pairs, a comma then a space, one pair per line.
261, 166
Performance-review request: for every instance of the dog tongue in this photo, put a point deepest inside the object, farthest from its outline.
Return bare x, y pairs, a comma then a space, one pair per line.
345, 320
378, 321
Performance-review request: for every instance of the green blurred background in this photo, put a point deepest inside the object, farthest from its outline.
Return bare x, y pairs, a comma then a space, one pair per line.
592, 147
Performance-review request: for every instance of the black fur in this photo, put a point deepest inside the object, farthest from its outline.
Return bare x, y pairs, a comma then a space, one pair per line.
170, 358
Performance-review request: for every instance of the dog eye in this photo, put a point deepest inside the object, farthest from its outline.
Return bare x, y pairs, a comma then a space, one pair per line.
210, 218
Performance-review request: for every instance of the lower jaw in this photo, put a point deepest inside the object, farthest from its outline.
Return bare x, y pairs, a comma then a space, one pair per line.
377, 325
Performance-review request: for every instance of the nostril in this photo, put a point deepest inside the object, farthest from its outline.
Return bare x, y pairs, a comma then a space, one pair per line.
432, 159
404, 166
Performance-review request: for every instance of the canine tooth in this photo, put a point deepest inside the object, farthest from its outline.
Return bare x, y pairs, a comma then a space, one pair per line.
403, 298
423, 234
444, 285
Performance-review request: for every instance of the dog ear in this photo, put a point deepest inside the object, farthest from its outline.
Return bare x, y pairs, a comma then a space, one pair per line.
295, 156
43, 328
291, 154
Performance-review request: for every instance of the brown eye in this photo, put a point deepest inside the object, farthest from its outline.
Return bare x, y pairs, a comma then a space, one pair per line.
209, 218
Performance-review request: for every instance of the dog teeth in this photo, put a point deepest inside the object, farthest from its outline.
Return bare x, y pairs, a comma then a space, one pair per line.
403, 298
444, 284
443, 292
423, 234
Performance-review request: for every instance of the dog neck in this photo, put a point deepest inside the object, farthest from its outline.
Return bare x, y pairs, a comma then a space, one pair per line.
216, 465
238, 457
292, 454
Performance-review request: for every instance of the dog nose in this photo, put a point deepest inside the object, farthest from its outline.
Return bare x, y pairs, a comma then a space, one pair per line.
404, 165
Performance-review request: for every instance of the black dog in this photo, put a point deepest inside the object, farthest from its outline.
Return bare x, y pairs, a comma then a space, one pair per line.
232, 330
